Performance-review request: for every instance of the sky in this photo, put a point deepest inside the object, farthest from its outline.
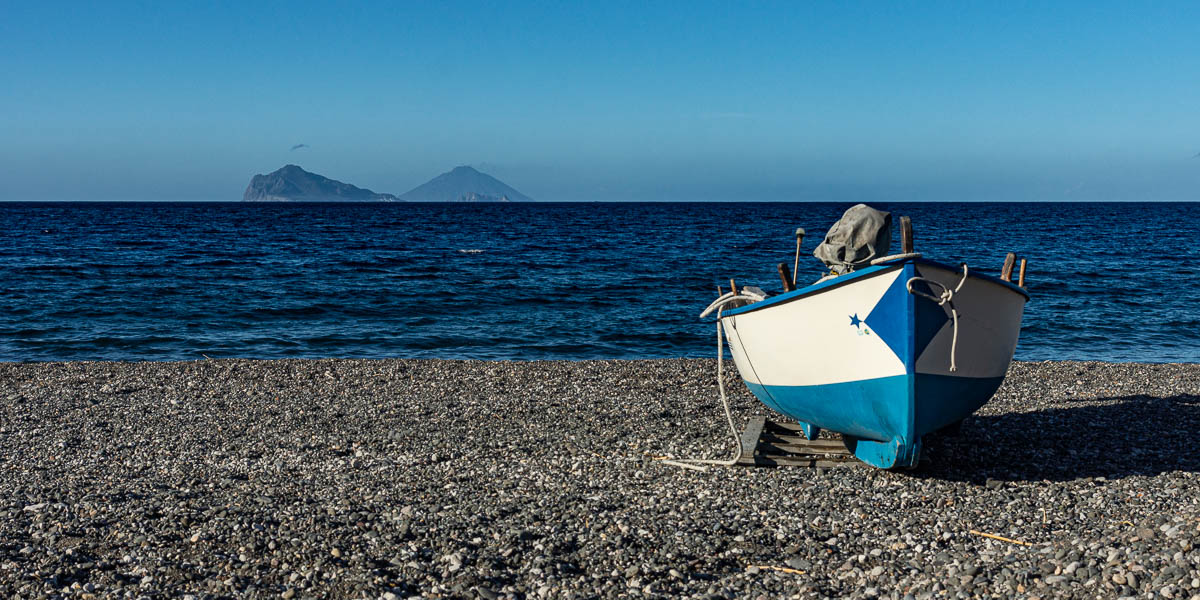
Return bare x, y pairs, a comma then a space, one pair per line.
609, 100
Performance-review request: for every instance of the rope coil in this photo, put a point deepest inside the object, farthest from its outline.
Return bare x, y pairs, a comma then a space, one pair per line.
946, 297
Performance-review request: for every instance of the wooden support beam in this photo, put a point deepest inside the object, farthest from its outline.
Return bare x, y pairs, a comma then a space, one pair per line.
1006, 271
1021, 276
774, 444
785, 277
906, 235
818, 445
750, 435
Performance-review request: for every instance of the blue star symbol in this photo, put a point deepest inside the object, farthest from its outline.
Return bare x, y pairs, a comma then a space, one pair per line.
855, 321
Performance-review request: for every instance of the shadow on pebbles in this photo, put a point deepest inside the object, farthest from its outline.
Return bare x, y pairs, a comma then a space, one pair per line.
398, 478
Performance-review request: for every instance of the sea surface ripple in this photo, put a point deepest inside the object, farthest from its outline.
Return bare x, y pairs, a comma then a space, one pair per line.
182, 281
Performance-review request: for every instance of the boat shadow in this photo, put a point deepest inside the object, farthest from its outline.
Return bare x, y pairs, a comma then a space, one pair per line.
1109, 437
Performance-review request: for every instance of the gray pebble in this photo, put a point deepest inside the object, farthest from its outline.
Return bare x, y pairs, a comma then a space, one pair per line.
396, 478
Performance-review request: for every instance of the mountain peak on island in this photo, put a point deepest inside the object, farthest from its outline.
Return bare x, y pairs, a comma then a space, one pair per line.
292, 183
464, 184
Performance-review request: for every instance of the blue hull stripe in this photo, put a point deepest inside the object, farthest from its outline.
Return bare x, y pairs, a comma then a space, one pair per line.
877, 409
871, 409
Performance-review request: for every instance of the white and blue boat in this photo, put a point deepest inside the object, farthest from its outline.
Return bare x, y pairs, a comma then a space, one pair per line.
882, 355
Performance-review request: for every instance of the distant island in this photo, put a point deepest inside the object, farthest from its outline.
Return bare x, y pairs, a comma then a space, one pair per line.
460, 184
291, 183
464, 184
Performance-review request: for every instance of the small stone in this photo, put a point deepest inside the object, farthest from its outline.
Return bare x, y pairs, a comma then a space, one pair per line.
336, 553
288, 593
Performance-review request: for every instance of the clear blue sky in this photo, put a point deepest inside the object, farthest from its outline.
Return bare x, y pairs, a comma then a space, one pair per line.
606, 100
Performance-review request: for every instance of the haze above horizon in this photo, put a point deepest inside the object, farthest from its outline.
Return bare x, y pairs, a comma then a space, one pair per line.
606, 100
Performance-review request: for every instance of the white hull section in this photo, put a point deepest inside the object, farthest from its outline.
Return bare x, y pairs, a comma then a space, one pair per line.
989, 321
811, 340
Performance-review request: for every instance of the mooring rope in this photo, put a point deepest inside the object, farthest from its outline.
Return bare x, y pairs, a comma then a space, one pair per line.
697, 463
946, 297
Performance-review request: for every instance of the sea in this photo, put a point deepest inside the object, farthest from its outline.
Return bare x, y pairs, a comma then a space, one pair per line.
167, 281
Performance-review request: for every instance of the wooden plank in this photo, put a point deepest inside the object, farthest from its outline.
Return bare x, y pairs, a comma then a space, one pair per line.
789, 461
906, 235
821, 445
804, 445
785, 450
1021, 277
785, 276
777, 426
751, 434
1006, 271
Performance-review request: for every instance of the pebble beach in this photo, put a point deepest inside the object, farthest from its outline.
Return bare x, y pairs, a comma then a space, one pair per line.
472, 479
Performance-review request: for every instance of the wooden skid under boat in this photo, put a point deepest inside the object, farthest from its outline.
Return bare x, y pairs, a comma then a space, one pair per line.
774, 444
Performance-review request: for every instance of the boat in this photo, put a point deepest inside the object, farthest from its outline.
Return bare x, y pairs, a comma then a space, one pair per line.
887, 351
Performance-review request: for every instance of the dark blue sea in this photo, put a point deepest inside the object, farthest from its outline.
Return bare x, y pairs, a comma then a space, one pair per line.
182, 281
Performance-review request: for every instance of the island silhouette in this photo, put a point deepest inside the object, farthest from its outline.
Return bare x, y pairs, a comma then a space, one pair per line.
291, 183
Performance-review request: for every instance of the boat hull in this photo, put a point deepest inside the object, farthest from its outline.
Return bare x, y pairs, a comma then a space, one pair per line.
863, 356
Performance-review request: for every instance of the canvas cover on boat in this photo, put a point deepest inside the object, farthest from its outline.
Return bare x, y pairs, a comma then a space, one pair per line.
862, 234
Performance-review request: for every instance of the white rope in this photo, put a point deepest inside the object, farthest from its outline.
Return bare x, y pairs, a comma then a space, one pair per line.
946, 297
696, 463
891, 257
745, 296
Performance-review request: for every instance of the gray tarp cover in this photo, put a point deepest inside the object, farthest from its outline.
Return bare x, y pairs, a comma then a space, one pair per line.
862, 234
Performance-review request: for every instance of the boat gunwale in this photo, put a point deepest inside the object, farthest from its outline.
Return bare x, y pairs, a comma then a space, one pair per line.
870, 271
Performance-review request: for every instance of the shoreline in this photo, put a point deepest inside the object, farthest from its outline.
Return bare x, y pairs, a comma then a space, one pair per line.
538, 479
